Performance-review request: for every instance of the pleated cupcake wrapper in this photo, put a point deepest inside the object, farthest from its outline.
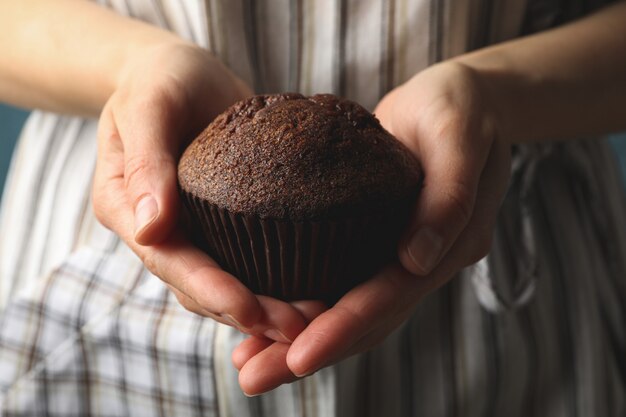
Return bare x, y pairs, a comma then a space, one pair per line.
296, 260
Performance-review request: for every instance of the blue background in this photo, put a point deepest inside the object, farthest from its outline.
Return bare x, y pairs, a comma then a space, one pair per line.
12, 119
619, 143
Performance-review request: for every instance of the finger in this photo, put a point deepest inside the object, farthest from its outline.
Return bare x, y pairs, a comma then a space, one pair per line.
333, 333
284, 322
247, 349
151, 146
270, 328
191, 271
309, 309
279, 321
191, 305
176, 260
217, 292
453, 154
251, 346
266, 370
359, 321
475, 240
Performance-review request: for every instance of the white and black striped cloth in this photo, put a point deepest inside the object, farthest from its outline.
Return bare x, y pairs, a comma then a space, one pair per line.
536, 329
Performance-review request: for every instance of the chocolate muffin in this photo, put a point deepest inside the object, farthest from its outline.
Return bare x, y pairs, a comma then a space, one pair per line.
299, 197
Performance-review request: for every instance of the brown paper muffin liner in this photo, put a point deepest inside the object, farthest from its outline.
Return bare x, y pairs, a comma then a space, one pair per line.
318, 260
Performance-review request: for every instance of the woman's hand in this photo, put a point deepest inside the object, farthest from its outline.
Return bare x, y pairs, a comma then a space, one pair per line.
443, 116
164, 97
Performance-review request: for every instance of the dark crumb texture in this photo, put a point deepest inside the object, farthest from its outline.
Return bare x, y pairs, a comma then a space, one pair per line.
296, 158
299, 198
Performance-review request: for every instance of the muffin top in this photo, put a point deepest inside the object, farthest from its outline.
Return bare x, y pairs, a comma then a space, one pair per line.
293, 157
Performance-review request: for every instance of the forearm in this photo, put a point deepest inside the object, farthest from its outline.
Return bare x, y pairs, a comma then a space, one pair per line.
564, 83
67, 55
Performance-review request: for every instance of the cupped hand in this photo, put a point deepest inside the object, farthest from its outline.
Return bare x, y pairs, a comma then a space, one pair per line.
164, 97
445, 118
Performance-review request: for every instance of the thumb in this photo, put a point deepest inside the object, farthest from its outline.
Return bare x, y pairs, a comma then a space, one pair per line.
452, 169
150, 172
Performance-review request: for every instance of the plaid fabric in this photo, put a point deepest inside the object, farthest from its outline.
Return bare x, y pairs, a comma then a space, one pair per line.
100, 336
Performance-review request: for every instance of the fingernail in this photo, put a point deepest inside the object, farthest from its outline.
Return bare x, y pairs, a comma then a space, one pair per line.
276, 335
304, 375
145, 213
250, 395
425, 249
230, 319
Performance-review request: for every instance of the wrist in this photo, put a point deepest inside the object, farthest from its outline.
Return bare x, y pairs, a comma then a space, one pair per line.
503, 94
488, 92
143, 55
563, 83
